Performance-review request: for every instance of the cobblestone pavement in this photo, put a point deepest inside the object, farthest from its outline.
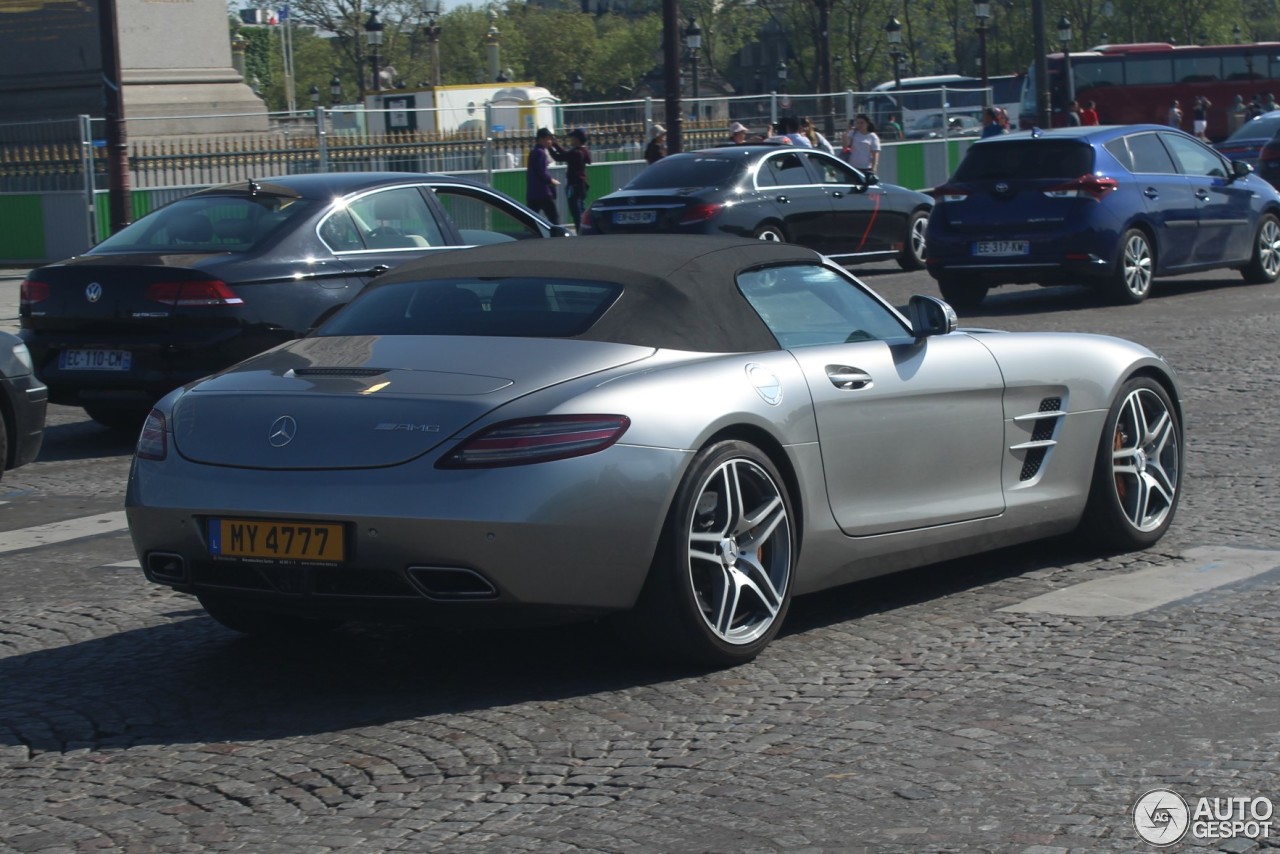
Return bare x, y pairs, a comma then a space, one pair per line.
905, 714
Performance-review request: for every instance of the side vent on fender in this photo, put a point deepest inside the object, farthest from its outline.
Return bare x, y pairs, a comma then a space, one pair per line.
1044, 425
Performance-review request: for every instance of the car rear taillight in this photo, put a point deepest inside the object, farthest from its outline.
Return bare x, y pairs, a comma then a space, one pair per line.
948, 193
152, 443
586, 220
700, 213
31, 292
197, 293
1269, 152
1086, 186
537, 440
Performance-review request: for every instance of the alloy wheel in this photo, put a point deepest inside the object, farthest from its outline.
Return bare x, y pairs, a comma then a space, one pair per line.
1145, 459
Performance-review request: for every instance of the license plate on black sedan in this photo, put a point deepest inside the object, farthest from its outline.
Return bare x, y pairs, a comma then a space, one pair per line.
635, 217
277, 541
1001, 248
95, 360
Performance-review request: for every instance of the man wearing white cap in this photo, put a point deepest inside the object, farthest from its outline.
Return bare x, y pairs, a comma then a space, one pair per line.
738, 133
657, 148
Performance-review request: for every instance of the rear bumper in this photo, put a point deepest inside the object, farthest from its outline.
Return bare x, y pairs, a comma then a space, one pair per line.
159, 363
1066, 257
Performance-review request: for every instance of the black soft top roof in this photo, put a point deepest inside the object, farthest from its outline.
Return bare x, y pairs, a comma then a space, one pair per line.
679, 292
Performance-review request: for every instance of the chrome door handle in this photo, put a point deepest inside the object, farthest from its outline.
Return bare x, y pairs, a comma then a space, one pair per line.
845, 377
837, 195
1202, 195
1151, 193
784, 200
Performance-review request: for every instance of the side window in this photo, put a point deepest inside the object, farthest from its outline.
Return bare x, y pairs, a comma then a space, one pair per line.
1118, 149
481, 218
830, 171
1149, 156
339, 232
395, 219
805, 305
1193, 158
784, 170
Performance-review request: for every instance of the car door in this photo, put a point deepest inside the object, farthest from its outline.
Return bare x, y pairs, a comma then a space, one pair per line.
380, 230
795, 198
1225, 230
911, 431
860, 221
1170, 203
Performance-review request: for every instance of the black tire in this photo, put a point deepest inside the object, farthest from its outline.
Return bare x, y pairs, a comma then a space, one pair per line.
1137, 476
122, 419
4, 446
913, 246
1264, 264
742, 551
243, 618
959, 294
770, 231
1130, 281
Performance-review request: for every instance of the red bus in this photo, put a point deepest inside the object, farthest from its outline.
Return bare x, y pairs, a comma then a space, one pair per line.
1135, 83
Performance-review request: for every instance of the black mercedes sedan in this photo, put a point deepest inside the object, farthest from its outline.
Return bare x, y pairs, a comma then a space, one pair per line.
23, 401
228, 272
771, 192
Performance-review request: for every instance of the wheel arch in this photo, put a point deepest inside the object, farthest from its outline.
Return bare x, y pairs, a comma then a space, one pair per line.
10, 423
1152, 234
1166, 382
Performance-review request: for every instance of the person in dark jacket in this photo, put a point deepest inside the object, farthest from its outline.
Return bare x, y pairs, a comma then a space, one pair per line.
657, 148
540, 187
577, 159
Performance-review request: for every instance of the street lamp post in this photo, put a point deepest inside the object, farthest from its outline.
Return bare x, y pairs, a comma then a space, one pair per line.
576, 82
782, 76
335, 89
693, 41
838, 65
1064, 36
431, 8
893, 32
315, 95
373, 35
982, 11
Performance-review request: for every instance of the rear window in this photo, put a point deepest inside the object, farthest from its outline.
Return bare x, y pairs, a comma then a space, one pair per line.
209, 224
1026, 159
693, 171
1257, 129
509, 307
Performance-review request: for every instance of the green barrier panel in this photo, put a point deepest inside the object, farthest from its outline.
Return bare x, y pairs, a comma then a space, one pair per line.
22, 237
140, 204
910, 166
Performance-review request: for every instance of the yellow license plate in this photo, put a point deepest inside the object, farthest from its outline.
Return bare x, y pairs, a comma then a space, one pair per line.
270, 539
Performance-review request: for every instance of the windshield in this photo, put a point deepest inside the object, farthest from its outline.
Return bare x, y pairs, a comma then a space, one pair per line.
208, 224
693, 171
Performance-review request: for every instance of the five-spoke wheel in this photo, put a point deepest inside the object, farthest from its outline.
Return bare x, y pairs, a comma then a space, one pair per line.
1138, 473
1264, 265
720, 584
1131, 281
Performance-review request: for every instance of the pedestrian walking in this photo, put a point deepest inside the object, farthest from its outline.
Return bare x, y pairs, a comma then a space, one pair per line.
1089, 115
577, 159
1175, 115
1073, 115
540, 186
657, 147
863, 144
1200, 116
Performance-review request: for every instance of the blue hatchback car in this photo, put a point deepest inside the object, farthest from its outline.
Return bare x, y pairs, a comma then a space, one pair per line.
1111, 207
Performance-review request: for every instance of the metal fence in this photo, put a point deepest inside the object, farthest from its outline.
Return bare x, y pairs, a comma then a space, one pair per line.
70, 154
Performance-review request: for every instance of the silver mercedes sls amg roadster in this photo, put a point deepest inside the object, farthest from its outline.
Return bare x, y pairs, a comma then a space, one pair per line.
681, 433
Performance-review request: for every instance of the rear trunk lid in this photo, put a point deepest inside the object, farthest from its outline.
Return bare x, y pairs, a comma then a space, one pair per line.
123, 293
644, 211
370, 401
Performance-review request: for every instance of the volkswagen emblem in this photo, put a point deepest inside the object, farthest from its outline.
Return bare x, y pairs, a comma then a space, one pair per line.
1002, 187
93, 292
282, 431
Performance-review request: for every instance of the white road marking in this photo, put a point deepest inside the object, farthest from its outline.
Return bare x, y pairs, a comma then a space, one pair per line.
124, 564
61, 532
1123, 595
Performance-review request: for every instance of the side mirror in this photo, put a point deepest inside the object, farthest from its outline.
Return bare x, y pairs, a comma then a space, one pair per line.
872, 179
1240, 169
930, 316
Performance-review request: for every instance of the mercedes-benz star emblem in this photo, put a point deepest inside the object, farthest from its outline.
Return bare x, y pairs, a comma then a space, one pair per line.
1002, 187
283, 429
93, 292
